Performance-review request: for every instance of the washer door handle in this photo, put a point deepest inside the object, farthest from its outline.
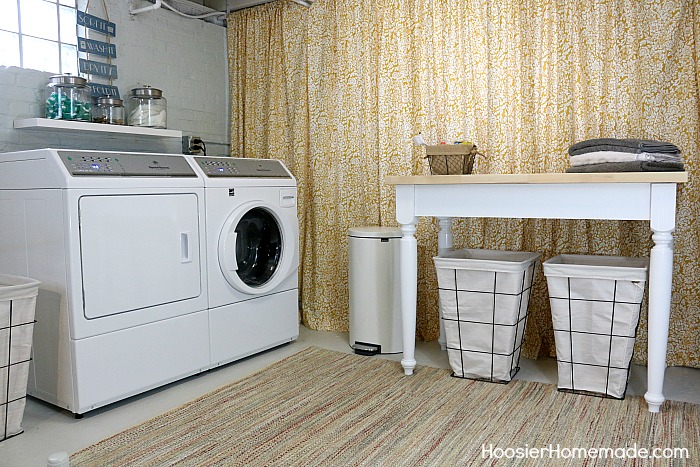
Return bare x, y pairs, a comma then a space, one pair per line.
230, 261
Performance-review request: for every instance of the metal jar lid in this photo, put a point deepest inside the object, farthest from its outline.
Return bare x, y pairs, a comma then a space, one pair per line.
111, 101
147, 92
68, 80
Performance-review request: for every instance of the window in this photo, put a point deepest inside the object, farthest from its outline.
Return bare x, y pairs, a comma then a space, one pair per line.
39, 34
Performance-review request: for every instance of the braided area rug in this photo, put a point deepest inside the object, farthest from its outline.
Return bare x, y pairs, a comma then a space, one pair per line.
320, 407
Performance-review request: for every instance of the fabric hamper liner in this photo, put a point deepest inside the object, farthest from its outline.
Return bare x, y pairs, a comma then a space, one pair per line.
484, 295
17, 306
595, 302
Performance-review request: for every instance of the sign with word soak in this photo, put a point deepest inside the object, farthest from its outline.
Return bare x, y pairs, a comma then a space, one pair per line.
96, 24
92, 67
97, 47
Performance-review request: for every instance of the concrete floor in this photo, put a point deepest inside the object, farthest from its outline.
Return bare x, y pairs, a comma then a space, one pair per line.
48, 429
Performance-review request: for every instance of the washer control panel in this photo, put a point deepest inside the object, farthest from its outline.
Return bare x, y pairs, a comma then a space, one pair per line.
242, 168
125, 164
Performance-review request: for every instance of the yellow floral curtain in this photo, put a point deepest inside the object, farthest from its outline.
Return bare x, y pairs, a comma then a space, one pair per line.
337, 91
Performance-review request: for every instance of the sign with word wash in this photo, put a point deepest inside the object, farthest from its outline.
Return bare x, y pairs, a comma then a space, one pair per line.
90, 46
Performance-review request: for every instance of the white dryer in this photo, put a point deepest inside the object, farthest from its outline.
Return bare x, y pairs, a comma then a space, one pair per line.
114, 239
252, 255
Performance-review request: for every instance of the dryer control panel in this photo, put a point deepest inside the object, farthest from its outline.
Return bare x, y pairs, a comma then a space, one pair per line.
242, 168
125, 164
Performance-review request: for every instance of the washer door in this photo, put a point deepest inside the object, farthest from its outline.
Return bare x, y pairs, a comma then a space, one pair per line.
256, 249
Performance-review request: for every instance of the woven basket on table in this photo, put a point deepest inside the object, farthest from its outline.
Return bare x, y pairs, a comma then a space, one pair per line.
451, 159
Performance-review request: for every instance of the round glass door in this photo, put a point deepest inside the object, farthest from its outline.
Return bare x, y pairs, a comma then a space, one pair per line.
258, 247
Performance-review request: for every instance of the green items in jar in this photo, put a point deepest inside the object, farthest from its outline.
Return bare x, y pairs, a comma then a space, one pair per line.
68, 98
65, 107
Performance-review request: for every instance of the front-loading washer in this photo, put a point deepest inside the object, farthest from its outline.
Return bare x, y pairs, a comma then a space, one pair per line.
252, 233
115, 239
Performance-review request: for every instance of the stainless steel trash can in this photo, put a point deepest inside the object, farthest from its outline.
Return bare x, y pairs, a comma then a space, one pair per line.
375, 297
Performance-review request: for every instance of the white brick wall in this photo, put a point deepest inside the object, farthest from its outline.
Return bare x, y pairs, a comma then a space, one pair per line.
185, 58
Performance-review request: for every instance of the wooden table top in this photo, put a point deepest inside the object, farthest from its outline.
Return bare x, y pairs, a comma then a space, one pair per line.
541, 178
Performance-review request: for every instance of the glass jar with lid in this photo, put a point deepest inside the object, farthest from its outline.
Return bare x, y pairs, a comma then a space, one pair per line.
109, 110
147, 107
68, 98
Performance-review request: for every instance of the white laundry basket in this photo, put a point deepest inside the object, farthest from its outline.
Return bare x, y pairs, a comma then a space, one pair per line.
17, 306
595, 303
484, 295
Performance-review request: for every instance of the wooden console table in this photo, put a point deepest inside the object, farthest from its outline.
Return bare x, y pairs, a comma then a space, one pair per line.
647, 196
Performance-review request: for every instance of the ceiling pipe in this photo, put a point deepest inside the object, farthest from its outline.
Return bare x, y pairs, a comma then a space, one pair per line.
155, 6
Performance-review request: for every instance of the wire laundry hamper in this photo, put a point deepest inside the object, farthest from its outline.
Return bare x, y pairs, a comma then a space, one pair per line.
17, 306
484, 296
596, 303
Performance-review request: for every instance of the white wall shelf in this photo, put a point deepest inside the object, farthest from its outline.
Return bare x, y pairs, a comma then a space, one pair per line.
75, 126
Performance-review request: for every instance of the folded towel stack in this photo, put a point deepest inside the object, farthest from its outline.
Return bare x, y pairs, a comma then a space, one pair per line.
624, 155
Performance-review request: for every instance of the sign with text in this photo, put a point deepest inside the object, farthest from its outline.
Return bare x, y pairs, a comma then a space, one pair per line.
96, 24
97, 68
100, 90
97, 47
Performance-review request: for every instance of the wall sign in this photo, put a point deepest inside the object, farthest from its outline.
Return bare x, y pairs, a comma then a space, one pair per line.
90, 46
96, 24
92, 67
103, 90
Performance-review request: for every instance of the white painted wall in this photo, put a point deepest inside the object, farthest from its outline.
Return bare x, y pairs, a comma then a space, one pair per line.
185, 58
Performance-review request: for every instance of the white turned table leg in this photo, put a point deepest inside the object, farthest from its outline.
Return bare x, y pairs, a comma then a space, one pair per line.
445, 240
660, 277
408, 251
663, 218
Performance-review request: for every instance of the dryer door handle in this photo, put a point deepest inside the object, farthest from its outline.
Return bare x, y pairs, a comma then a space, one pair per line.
230, 261
185, 247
